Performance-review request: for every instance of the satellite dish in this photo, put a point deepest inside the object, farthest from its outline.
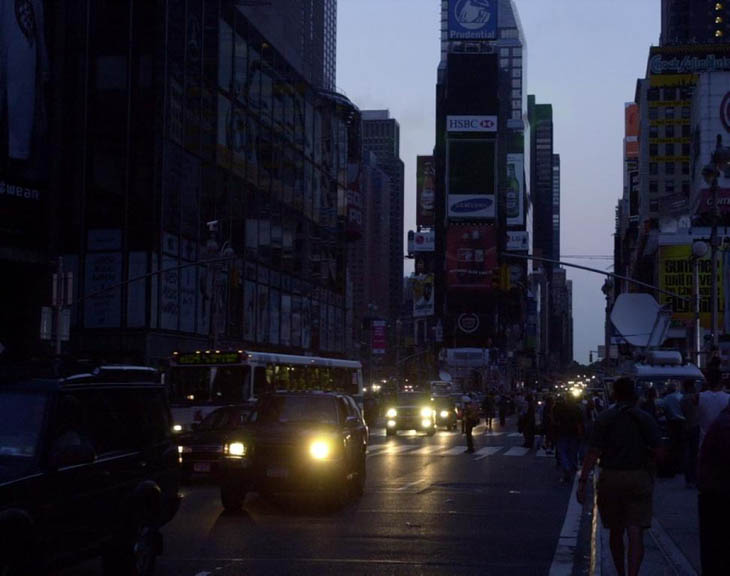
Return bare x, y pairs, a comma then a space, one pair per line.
445, 376
640, 320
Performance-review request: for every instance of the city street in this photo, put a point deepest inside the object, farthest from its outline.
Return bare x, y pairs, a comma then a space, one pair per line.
428, 509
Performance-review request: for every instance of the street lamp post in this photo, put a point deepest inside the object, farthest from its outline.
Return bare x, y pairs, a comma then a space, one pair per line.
719, 161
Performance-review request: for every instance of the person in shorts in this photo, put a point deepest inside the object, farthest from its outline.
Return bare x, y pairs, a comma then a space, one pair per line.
624, 441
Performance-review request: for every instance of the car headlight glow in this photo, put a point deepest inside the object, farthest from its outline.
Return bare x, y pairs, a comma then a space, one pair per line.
319, 449
177, 428
391, 413
236, 449
444, 414
184, 449
426, 423
426, 412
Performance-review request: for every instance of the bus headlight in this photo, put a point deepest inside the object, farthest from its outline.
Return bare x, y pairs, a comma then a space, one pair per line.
391, 413
426, 412
320, 449
444, 414
426, 423
235, 449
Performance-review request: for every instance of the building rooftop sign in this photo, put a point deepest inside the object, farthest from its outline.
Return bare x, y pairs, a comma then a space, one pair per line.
472, 19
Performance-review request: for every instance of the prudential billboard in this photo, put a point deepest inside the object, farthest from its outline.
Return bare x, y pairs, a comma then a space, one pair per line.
472, 19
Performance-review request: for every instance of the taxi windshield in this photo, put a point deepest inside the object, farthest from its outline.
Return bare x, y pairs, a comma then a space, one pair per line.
293, 409
21, 423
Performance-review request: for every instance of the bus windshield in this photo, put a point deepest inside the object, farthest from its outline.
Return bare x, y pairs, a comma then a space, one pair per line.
209, 384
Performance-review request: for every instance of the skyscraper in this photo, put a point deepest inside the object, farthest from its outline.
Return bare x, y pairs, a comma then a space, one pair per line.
694, 21
381, 136
303, 31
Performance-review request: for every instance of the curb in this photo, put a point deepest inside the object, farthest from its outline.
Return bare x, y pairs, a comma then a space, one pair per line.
596, 552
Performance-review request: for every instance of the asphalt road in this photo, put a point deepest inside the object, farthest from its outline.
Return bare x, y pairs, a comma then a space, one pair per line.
428, 509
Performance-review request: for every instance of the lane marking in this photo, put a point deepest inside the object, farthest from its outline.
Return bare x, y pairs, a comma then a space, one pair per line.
488, 451
542, 454
452, 451
517, 451
515, 435
563, 559
409, 485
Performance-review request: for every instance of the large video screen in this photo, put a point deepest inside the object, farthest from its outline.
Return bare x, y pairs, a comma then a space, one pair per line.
471, 167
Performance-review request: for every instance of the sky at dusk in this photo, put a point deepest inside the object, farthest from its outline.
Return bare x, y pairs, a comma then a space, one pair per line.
583, 57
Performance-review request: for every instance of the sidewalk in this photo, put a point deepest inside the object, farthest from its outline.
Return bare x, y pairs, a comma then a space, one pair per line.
672, 543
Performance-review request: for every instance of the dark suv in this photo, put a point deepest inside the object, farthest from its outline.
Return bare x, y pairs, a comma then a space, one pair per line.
87, 467
297, 441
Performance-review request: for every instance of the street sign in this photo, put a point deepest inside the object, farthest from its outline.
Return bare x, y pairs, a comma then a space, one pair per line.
46, 323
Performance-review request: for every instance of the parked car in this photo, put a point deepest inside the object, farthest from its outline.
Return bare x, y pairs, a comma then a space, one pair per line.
87, 467
411, 411
312, 442
201, 450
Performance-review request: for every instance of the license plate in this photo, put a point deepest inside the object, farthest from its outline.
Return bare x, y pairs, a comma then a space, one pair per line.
277, 473
201, 467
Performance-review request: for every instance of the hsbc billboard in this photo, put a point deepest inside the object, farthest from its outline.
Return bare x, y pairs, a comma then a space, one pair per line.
471, 123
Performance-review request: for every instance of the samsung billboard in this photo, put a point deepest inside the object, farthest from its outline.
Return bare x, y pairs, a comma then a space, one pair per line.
472, 20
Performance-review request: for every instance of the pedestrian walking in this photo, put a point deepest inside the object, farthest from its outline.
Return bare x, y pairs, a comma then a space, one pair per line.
649, 405
671, 405
691, 434
471, 419
488, 408
623, 443
548, 425
713, 500
502, 409
528, 426
588, 410
569, 427
711, 402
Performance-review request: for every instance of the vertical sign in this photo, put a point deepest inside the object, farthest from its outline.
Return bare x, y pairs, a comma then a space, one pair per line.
377, 335
425, 191
514, 190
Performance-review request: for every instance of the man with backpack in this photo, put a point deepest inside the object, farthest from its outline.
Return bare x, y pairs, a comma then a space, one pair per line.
624, 441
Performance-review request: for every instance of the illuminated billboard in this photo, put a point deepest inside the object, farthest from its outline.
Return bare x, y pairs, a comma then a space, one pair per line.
425, 190
423, 296
514, 190
471, 179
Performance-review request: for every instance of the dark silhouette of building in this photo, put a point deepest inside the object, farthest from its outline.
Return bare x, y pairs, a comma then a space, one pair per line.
694, 22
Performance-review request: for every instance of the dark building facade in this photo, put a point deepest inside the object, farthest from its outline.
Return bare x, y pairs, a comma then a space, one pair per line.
180, 133
381, 136
694, 22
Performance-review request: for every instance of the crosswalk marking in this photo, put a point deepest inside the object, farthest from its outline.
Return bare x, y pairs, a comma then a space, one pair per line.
425, 450
517, 451
488, 451
515, 435
542, 454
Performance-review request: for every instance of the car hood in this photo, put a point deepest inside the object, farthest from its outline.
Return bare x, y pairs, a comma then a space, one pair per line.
293, 432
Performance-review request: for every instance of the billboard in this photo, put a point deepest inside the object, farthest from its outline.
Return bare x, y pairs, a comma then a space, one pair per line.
676, 275
423, 296
514, 190
518, 241
421, 241
471, 123
471, 207
631, 129
425, 191
377, 336
472, 20
470, 167
710, 118
471, 256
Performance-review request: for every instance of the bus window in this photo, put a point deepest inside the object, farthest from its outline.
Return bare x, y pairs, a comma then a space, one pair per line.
260, 382
230, 384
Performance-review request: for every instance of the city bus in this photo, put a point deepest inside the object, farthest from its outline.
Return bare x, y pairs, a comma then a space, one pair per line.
200, 381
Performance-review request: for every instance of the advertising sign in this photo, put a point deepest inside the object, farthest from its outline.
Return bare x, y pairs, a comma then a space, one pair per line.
631, 129
710, 114
425, 190
688, 59
423, 296
514, 190
471, 170
468, 323
472, 19
676, 275
378, 336
471, 123
421, 241
471, 256
518, 241
472, 207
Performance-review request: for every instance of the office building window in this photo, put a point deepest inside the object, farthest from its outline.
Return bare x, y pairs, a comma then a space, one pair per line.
504, 62
653, 170
653, 131
686, 112
516, 114
686, 149
652, 94
670, 94
653, 113
669, 168
653, 186
653, 150
516, 104
669, 112
517, 83
686, 131
516, 72
516, 93
669, 131
685, 168
685, 187
669, 187
504, 52
669, 149
654, 206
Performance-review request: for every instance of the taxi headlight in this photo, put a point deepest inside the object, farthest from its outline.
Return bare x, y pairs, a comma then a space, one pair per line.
319, 450
391, 413
444, 414
426, 412
235, 449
